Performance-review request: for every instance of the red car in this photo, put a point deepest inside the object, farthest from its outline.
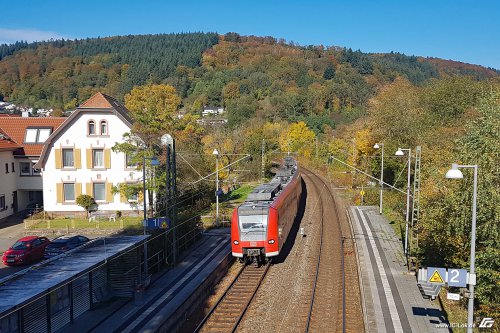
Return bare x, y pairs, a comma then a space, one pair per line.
26, 250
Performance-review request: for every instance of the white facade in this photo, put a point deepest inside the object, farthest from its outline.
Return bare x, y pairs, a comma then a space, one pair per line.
16, 191
208, 110
8, 184
81, 163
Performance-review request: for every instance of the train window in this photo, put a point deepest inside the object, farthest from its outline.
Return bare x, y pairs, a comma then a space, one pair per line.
253, 227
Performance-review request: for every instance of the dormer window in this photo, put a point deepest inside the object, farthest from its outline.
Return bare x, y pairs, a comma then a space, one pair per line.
37, 135
104, 127
91, 127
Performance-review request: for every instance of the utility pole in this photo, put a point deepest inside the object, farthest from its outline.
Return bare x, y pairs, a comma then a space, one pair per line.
416, 193
171, 189
263, 159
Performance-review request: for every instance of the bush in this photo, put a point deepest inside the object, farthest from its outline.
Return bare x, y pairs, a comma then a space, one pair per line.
86, 202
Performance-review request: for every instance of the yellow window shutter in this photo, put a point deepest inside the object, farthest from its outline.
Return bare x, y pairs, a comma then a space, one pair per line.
59, 191
107, 158
78, 189
123, 198
109, 192
88, 189
57, 153
89, 159
78, 158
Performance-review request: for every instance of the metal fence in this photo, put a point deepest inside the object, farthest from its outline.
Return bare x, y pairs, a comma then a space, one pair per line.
118, 277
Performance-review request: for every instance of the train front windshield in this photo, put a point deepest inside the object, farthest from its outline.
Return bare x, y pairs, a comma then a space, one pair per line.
253, 227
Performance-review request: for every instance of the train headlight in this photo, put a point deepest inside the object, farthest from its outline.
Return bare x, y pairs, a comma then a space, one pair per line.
236, 242
271, 241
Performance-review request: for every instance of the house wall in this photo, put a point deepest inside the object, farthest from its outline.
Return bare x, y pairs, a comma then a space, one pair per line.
83, 175
7, 182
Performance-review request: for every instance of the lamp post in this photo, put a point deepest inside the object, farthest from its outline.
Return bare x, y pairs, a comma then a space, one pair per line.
454, 173
378, 146
154, 161
168, 141
216, 153
400, 152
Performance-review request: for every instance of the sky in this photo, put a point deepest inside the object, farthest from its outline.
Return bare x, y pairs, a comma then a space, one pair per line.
461, 30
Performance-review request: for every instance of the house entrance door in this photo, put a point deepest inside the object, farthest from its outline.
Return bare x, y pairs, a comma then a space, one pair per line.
14, 201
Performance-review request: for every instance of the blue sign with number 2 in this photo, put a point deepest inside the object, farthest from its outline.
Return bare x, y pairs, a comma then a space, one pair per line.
457, 277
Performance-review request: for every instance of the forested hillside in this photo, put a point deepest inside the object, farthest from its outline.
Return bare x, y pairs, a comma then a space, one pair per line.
303, 80
62, 74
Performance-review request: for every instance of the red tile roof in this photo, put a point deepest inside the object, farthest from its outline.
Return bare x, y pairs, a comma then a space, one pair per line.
15, 128
98, 101
6, 144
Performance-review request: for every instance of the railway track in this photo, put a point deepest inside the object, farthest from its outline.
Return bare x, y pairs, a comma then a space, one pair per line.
226, 314
327, 308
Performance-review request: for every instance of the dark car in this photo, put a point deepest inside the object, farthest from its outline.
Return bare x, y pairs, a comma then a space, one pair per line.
64, 243
26, 250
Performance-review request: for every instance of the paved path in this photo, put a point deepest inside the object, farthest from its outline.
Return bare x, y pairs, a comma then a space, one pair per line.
11, 229
392, 300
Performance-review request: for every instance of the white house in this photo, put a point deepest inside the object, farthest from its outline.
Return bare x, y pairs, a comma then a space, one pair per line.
212, 110
77, 159
21, 143
8, 186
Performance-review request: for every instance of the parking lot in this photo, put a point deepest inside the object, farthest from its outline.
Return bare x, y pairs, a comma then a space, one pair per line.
11, 230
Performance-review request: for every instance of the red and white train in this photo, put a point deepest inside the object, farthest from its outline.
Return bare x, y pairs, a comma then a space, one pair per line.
260, 226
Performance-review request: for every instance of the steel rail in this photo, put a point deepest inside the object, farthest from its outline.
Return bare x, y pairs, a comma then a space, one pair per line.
209, 314
319, 257
251, 298
317, 265
246, 306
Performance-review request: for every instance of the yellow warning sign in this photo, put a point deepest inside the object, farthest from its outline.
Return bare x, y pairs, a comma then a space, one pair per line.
436, 277
362, 192
164, 225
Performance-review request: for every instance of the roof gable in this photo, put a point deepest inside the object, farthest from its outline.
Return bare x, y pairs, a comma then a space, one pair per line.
98, 103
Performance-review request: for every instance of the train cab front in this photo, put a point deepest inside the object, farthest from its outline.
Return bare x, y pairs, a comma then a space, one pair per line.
249, 233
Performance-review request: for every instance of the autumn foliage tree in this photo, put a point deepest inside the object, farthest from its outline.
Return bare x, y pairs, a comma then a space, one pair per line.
297, 138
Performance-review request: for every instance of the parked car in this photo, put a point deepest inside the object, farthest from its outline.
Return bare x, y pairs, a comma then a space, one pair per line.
64, 243
26, 250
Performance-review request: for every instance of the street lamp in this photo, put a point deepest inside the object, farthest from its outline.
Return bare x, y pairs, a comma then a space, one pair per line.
216, 153
454, 173
400, 152
154, 161
378, 146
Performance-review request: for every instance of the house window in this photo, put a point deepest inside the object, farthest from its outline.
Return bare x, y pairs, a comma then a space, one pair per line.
133, 197
69, 191
6, 167
25, 168
36, 172
104, 127
2, 202
129, 163
91, 126
99, 192
43, 134
12, 167
68, 158
37, 135
98, 158
31, 135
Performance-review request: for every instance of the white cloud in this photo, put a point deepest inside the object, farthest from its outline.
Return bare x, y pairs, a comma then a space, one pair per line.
9, 36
